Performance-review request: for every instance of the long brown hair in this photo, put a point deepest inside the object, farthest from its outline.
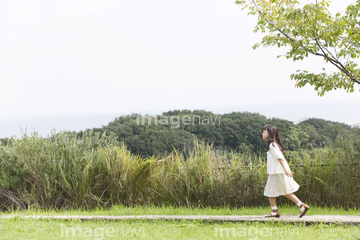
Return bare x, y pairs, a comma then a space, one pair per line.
273, 137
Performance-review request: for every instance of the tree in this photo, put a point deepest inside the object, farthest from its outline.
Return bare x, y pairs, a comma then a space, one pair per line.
314, 136
296, 138
312, 30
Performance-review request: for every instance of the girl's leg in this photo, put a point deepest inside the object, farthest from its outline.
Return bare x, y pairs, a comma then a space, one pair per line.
272, 201
275, 211
303, 207
292, 197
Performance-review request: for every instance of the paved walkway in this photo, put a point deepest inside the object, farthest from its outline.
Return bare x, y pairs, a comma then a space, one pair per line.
344, 219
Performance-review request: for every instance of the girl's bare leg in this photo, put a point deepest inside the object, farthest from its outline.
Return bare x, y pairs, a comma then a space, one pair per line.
272, 201
292, 197
303, 207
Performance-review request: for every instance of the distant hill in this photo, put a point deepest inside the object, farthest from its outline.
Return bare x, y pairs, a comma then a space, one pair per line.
321, 131
236, 131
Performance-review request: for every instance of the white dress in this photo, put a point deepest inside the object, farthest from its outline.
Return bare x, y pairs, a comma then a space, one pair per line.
278, 183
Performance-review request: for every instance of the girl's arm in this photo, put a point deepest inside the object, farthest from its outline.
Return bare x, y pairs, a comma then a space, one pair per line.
280, 157
286, 167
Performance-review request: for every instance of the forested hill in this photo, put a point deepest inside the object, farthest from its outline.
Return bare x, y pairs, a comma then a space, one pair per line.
238, 131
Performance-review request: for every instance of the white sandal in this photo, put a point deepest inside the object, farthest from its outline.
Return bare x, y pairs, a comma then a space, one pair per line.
303, 209
277, 215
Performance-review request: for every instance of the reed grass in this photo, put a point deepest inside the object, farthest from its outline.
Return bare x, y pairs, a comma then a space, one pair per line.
68, 171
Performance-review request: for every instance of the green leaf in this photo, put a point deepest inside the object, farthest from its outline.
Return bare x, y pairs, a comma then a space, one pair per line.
311, 30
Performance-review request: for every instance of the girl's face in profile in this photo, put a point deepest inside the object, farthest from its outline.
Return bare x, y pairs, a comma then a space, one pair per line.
265, 134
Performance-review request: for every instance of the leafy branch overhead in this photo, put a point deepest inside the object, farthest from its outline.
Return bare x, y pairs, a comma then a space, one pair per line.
311, 29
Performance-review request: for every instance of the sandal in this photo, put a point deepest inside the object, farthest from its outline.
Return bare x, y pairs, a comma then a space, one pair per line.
303, 209
277, 215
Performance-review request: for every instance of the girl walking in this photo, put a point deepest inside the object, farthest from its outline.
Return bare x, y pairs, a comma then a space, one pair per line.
280, 181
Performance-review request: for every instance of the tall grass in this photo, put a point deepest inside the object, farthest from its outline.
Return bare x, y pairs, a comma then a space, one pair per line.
204, 179
67, 171
331, 179
60, 170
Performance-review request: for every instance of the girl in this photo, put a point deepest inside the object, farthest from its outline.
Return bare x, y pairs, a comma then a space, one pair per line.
280, 181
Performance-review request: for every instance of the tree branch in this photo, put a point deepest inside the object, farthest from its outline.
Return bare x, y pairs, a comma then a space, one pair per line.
331, 59
284, 34
335, 61
352, 43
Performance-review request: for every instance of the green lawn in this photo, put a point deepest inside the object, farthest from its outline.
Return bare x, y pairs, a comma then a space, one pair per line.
19, 228
151, 210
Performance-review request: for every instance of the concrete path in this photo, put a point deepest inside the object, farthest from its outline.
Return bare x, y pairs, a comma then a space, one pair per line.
342, 219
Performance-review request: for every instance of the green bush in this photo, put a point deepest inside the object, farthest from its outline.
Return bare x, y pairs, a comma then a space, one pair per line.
67, 170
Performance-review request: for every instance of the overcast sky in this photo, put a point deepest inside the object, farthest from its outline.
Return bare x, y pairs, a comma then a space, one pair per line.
77, 64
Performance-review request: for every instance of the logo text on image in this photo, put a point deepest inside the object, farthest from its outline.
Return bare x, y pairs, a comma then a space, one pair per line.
100, 233
254, 232
175, 121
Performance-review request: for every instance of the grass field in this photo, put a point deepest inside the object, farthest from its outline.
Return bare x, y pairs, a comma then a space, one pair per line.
94, 172
19, 228
65, 171
169, 210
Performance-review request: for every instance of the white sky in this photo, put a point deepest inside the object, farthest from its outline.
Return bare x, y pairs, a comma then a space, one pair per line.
76, 64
